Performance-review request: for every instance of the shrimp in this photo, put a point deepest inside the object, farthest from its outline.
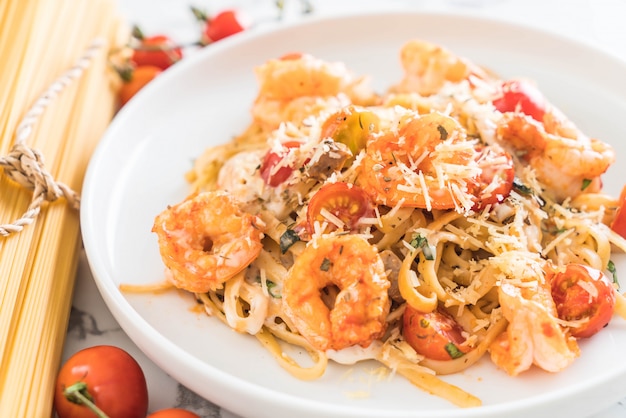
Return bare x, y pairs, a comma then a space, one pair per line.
428, 67
428, 163
357, 314
295, 87
565, 161
534, 335
205, 240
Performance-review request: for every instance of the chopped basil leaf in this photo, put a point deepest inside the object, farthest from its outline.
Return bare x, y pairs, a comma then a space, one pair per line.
271, 289
419, 241
521, 187
287, 239
325, 264
586, 183
453, 350
442, 132
611, 268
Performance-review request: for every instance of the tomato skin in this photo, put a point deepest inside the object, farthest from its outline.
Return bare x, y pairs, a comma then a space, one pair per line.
497, 178
173, 413
573, 302
158, 51
350, 127
523, 96
271, 159
619, 222
114, 380
139, 77
222, 25
348, 202
435, 335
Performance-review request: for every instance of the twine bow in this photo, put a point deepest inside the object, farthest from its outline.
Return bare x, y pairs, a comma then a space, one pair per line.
25, 165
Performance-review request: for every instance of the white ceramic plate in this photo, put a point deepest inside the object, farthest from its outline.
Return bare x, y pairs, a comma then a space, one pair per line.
138, 170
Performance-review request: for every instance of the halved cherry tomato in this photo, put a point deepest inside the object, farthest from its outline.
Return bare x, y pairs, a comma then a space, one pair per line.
276, 176
435, 335
347, 202
108, 376
519, 95
173, 413
158, 51
496, 179
582, 292
350, 127
619, 222
225, 23
139, 77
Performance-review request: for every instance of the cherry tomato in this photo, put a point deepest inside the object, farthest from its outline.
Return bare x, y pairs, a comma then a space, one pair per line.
222, 25
435, 335
347, 202
350, 127
619, 222
158, 51
272, 176
111, 377
139, 77
581, 292
521, 96
496, 179
173, 413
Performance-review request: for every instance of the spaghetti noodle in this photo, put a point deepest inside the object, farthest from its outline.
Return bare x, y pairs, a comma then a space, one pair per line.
428, 200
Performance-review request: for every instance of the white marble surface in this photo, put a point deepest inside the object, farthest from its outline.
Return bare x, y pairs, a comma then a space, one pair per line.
599, 22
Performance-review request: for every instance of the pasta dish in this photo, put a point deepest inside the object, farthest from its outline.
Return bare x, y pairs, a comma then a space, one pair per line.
454, 217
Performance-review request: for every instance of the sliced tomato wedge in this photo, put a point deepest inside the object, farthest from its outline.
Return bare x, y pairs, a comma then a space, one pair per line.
347, 202
497, 176
619, 222
583, 293
272, 175
351, 127
435, 335
521, 96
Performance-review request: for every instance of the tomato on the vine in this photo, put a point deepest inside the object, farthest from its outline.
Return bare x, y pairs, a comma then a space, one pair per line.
496, 179
435, 335
137, 79
583, 293
173, 413
520, 95
619, 221
348, 202
108, 377
224, 24
158, 51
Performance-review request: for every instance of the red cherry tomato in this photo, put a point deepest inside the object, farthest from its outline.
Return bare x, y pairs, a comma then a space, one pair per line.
173, 413
139, 77
111, 377
347, 202
276, 176
496, 179
518, 95
222, 25
583, 293
435, 335
158, 51
619, 222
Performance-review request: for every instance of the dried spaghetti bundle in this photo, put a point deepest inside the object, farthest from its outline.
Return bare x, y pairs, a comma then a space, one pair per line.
58, 94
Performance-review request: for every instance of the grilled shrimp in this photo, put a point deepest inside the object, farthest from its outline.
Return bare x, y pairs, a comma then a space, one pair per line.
205, 240
358, 311
427, 164
534, 335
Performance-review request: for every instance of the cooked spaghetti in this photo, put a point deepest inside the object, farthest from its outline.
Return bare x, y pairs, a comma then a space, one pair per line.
425, 227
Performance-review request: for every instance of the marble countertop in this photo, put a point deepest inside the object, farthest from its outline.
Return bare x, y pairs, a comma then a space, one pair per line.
596, 22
